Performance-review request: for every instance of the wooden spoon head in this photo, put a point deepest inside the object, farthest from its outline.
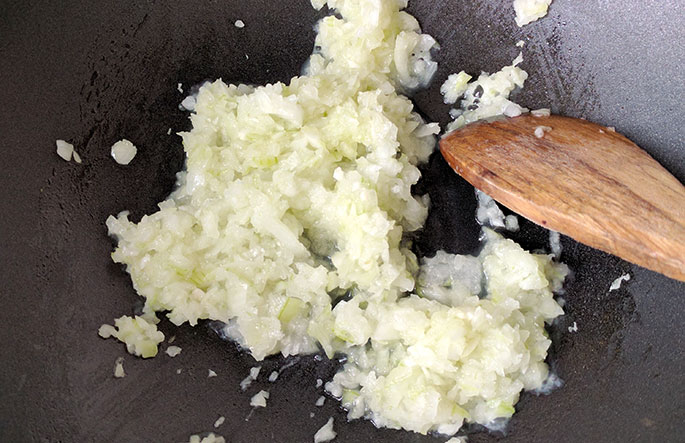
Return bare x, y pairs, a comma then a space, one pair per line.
581, 179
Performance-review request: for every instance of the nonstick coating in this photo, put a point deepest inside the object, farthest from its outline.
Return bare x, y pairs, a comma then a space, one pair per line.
95, 72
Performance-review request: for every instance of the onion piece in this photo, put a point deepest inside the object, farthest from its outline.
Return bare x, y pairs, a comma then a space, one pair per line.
65, 150
123, 152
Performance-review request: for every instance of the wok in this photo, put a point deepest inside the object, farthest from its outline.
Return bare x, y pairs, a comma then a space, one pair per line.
92, 73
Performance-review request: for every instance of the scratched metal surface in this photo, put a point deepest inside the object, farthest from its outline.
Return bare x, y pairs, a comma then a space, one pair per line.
93, 74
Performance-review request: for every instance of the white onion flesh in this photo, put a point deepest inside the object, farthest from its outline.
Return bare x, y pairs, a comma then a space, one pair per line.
325, 433
616, 284
210, 438
123, 152
173, 351
528, 11
119, 368
64, 150
297, 194
259, 399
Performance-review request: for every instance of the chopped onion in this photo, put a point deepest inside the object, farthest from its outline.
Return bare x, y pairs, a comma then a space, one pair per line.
140, 335
65, 150
511, 223
543, 112
173, 351
487, 212
454, 87
518, 60
555, 243
616, 284
123, 151
541, 130
188, 103
528, 11
119, 368
210, 438
296, 191
254, 373
485, 97
512, 110
325, 433
259, 399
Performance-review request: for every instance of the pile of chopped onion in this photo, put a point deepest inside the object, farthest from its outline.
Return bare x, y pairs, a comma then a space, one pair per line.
289, 226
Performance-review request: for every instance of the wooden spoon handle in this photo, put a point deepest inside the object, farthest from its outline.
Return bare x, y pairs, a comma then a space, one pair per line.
580, 179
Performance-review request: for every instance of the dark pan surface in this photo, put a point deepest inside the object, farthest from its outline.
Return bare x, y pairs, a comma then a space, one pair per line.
93, 73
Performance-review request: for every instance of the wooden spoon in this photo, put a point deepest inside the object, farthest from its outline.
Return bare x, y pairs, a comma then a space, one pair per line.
581, 179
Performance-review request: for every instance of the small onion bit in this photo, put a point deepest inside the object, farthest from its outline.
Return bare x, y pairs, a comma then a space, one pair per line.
123, 152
